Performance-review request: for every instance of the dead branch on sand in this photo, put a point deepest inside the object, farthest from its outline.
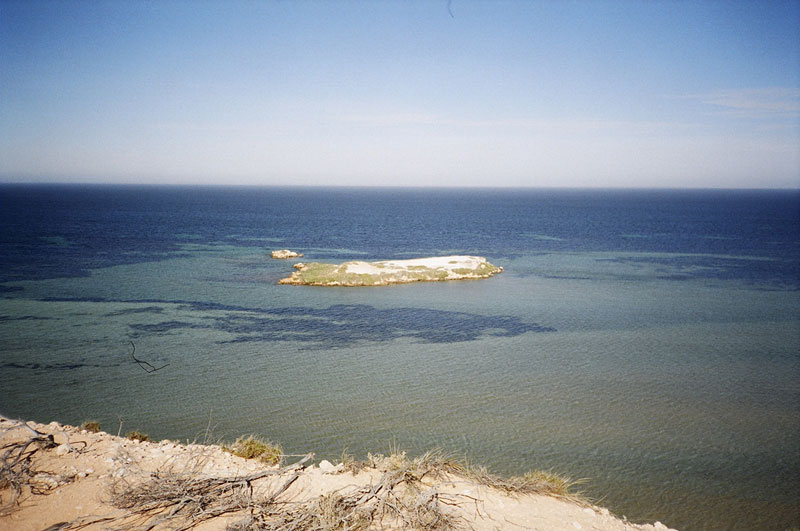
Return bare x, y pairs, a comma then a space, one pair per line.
399, 499
16, 471
188, 498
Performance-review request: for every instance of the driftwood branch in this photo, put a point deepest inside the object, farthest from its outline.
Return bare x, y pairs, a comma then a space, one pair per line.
146, 366
186, 499
16, 469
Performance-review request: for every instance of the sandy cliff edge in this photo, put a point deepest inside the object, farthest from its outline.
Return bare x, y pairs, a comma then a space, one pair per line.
69, 478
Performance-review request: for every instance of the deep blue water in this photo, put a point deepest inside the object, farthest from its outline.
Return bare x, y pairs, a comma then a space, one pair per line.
646, 339
59, 231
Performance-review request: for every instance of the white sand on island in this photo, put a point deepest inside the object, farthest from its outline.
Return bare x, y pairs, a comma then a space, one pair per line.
448, 263
69, 478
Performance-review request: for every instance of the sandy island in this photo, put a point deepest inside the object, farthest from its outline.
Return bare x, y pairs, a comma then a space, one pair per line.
387, 272
57, 477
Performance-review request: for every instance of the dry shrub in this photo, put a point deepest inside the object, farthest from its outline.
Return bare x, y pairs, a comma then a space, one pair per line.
350, 464
399, 499
185, 496
405, 496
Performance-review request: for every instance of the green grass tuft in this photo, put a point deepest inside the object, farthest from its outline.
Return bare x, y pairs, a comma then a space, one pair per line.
252, 447
91, 426
547, 482
138, 436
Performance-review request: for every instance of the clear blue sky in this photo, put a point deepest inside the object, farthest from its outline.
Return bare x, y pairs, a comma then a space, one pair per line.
523, 93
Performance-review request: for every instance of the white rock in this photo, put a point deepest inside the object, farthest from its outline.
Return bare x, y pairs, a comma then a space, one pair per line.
326, 466
47, 479
62, 449
285, 253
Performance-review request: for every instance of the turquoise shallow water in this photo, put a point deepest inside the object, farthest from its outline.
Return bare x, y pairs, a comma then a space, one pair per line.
692, 420
669, 378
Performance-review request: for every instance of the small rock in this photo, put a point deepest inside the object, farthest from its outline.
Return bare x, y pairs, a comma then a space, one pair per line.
81, 474
89, 471
659, 525
62, 449
285, 253
46, 479
326, 466
576, 525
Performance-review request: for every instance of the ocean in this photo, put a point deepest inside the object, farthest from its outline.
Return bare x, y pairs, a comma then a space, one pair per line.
645, 340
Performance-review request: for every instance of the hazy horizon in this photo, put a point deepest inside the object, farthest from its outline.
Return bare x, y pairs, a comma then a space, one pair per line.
5, 180
623, 94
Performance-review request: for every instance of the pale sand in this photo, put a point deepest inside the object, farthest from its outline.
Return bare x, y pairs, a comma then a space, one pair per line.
448, 263
74, 484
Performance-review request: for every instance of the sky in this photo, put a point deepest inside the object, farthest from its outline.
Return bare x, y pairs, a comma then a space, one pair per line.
402, 93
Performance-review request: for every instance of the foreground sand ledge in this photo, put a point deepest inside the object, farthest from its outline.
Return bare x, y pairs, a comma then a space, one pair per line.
74, 478
383, 273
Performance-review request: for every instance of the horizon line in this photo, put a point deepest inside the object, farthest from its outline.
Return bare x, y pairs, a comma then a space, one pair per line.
4, 181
